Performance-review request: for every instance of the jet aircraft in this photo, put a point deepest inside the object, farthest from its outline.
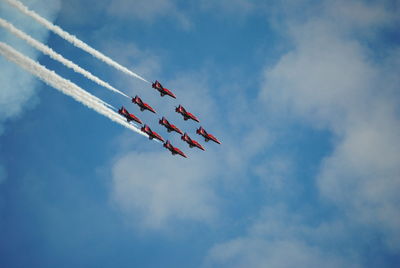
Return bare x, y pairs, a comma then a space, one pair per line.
201, 131
163, 91
143, 106
152, 134
186, 115
129, 117
173, 149
170, 127
192, 143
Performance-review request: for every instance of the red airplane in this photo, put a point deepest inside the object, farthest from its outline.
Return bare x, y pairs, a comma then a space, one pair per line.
201, 131
186, 115
170, 127
192, 143
152, 134
143, 106
163, 91
173, 149
129, 117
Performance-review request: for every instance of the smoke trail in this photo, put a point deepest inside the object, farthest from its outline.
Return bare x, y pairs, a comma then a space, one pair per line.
72, 39
54, 55
63, 85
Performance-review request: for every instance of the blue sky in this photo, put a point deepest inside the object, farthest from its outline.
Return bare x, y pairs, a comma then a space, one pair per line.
304, 96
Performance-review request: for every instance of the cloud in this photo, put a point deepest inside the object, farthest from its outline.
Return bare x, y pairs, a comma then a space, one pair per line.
18, 87
254, 252
363, 173
280, 239
333, 80
157, 189
359, 15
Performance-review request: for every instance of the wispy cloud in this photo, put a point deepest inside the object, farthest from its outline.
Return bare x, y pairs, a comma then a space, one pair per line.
279, 238
158, 191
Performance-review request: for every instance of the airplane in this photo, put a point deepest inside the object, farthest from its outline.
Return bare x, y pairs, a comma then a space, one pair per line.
163, 91
186, 115
129, 117
152, 134
192, 143
170, 127
173, 149
201, 131
143, 106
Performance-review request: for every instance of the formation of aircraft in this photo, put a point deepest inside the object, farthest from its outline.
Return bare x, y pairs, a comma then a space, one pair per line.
163, 91
170, 127
164, 122
173, 149
186, 115
192, 143
129, 117
143, 106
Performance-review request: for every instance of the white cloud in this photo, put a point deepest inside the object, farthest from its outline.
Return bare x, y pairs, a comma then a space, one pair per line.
332, 81
280, 239
363, 173
17, 86
322, 77
157, 189
254, 252
358, 15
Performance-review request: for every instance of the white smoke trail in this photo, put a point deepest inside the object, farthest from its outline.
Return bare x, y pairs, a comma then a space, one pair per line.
63, 85
54, 55
71, 38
